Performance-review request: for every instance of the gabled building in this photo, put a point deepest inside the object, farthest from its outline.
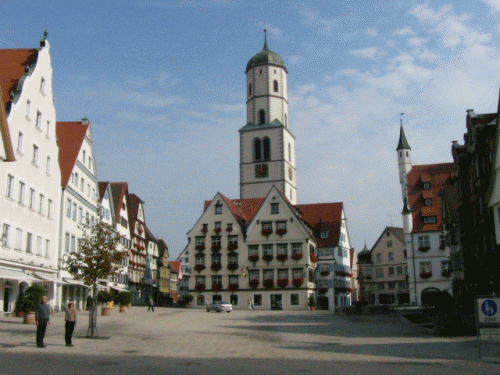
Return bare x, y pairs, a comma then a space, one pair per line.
79, 200
137, 263
150, 279
175, 277
187, 270
30, 179
163, 272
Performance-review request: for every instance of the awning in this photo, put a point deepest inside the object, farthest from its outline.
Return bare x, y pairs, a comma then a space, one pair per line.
119, 289
50, 278
75, 282
6, 273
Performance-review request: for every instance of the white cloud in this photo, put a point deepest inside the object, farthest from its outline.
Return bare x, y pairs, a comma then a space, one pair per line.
368, 53
372, 32
417, 42
494, 4
404, 31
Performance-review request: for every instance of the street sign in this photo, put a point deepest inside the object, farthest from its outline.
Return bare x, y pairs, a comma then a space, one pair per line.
487, 320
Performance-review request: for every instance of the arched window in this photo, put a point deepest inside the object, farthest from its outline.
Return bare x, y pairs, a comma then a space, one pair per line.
262, 117
267, 149
275, 86
249, 89
289, 152
257, 153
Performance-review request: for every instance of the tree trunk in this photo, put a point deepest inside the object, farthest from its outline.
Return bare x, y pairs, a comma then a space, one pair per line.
92, 330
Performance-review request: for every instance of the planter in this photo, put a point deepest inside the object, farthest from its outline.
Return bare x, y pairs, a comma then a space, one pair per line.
268, 283
215, 267
425, 275
217, 230
267, 258
314, 257
298, 281
282, 257
266, 232
106, 311
29, 318
199, 267
232, 266
233, 287
253, 258
123, 309
280, 232
282, 283
253, 283
312, 308
297, 256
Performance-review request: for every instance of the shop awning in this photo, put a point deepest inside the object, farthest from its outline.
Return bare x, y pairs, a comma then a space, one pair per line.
9, 274
51, 278
75, 282
119, 289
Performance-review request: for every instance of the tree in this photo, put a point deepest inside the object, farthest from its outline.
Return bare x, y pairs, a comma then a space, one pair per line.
98, 258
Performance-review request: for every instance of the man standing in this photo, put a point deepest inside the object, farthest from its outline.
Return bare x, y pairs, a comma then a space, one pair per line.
151, 304
42, 317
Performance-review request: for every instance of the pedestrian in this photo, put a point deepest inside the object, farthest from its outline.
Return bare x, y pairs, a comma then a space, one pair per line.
250, 305
151, 304
70, 319
42, 318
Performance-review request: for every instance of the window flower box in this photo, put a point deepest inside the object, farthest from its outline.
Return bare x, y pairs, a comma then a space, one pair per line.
253, 258
229, 229
297, 256
268, 283
297, 282
216, 247
253, 283
199, 287
217, 230
232, 266
424, 249
233, 287
204, 230
200, 247
282, 283
280, 232
199, 267
266, 232
324, 273
282, 257
267, 257
314, 257
232, 246
446, 273
217, 287
425, 275
215, 267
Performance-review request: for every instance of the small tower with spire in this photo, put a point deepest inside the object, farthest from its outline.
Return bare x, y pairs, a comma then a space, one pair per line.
404, 159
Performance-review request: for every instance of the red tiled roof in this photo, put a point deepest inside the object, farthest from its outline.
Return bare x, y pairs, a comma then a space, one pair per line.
5, 132
119, 190
13, 63
437, 175
175, 266
134, 203
102, 189
322, 217
244, 208
70, 136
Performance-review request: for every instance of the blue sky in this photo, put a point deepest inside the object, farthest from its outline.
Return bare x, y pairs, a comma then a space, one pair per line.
163, 84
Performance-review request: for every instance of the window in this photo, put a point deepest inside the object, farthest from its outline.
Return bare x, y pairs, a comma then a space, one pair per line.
430, 219
200, 300
425, 267
41, 203
257, 149
48, 129
391, 271
249, 89
379, 257
297, 273
262, 117
268, 274
20, 198
275, 86
381, 286
47, 169
289, 153
297, 248
84, 156
68, 207
39, 245
426, 185
19, 239
73, 243
233, 241
28, 109
29, 243
90, 163
391, 285
20, 142
267, 225
389, 243
428, 202
218, 209
38, 123
66, 242
283, 274
257, 299
379, 273
445, 267
253, 250
442, 242
218, 225
275, 208
42, 86
88, 190
282, 248
253, 274
32, 198
34, 160
216, 241
390, 256
6, 235
324, 234
423, 242
267, 249
49, 208
233, 299
267, 148
281, 227
82, 185
399, 270
9, 193
74, 211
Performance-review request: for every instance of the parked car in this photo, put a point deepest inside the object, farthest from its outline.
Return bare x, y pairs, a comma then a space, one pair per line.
219, 306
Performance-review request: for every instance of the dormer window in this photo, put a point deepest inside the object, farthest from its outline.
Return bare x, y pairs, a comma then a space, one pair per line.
430, 219
428, 202
275, 208
218, 209
426, 185
324, 234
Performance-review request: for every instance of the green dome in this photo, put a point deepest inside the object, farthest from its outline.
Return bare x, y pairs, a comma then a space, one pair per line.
364, 256
266, 57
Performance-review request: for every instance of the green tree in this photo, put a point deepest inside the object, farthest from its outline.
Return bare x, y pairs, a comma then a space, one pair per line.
98, 258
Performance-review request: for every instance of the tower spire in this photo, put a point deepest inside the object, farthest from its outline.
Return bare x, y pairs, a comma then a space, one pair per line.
265, 40
403, 142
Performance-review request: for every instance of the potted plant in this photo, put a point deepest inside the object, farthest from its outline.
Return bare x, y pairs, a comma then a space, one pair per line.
297, 282
199, 267
311, 302
123, 300
232, 266
233, 287
267, 257
253, 258
19, 305
268, 283
32, 297
282, 283
103, 298
186, 300
297, 256
253, 283
216, 267
282, 257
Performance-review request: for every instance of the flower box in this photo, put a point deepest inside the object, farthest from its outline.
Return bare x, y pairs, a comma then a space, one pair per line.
199, 267
268, 283
425, 275
298, 281
232, 247
282, 283
233, 287
232, 266
267, 257
282, 257
217, 286
215, 267
199, 287
266, 232
216, 247
446, 273
314, 257
200, 247
253, 283
229, 229
253, 258
204, 230
217, 230
324, 273
297, 256
424, 248
280, 232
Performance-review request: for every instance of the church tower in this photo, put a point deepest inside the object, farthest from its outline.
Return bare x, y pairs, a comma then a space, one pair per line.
404, 161
267, 147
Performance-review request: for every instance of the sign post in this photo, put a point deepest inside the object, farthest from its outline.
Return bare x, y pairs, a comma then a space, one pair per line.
487, 320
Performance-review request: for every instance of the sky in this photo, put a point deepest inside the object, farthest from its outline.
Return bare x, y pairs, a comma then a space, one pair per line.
163, 84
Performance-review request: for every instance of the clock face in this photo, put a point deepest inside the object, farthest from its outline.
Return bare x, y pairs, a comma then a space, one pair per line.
290, 173
261, 171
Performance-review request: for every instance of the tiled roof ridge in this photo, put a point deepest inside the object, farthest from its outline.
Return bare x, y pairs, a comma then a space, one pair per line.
70, 137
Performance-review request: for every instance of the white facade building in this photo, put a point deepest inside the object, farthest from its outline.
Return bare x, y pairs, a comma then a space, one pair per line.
30, 180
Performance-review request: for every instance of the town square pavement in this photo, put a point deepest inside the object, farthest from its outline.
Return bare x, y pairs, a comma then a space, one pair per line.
193, 341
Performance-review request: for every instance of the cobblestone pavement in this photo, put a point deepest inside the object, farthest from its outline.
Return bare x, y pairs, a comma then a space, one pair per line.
280, 335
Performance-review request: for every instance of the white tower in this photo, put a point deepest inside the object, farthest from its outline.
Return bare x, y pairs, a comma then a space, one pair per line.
267, 147
404, 161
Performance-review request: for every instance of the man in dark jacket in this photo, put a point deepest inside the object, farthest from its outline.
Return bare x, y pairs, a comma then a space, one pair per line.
42, 317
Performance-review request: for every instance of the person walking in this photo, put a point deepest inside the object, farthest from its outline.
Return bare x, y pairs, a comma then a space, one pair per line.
250, 305
42, 319
151, 304
70, 319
